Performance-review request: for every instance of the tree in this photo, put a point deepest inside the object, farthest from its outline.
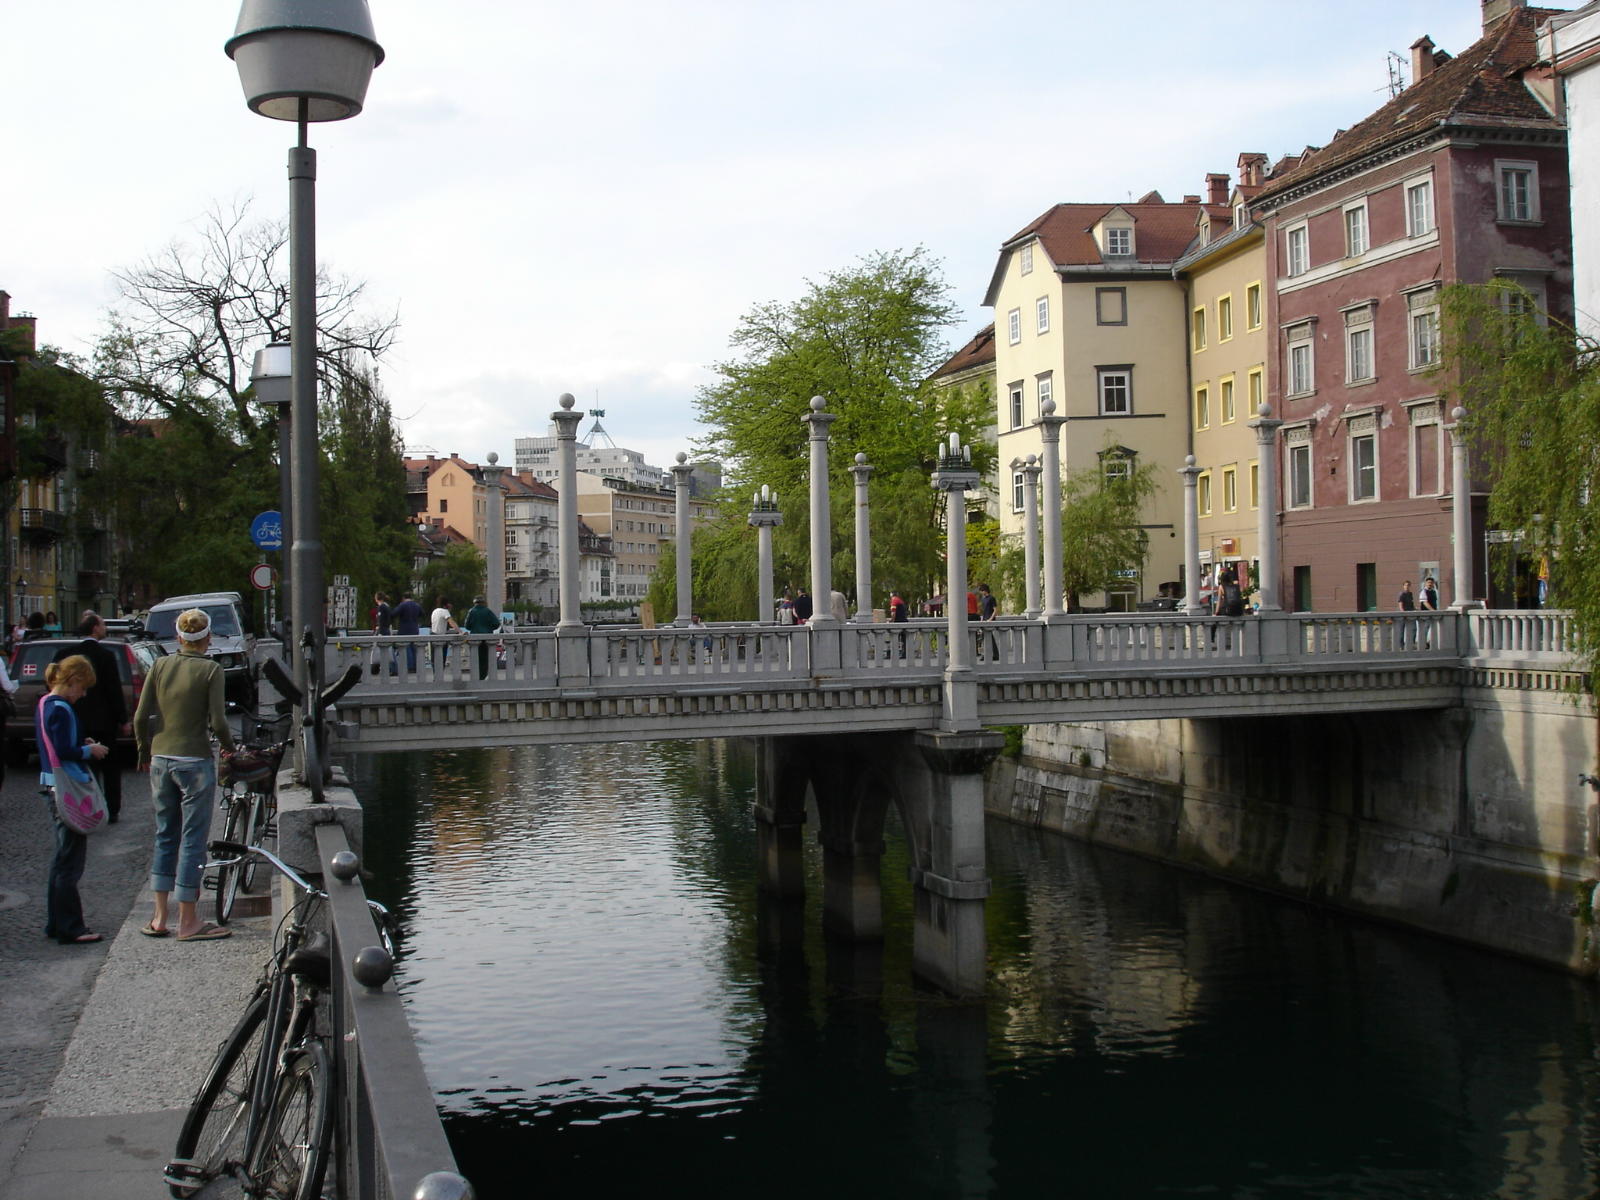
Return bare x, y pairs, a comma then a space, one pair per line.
866, 339
1101, 531
457, 575
1530, 386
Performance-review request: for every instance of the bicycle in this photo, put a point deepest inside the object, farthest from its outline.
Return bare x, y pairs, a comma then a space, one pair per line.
264, 1113
249, 783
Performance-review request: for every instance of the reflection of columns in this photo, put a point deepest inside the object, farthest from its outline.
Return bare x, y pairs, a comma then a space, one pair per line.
1461, 517
780, 812
681, 470
1191, 539
1050, 506
955, 477
863, 472
566, 422
494, 535
764, 515
1030, 471
821, 542
1266, 427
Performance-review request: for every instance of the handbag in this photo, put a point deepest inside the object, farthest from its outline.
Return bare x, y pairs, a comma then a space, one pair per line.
79, 803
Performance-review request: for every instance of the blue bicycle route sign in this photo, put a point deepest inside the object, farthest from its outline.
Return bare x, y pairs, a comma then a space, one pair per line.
266, 530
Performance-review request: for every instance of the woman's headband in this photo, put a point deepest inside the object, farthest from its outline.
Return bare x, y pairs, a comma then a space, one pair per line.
199, 635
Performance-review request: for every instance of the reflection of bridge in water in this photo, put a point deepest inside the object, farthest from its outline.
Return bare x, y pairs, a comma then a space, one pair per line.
903, 726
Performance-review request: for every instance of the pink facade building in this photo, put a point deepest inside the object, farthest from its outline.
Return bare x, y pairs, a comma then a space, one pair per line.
1461, 177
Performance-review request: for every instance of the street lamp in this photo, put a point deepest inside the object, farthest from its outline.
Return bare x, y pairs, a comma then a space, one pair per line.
271, 375
303, 61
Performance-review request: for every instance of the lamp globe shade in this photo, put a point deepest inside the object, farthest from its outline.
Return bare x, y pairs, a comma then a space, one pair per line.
319, 51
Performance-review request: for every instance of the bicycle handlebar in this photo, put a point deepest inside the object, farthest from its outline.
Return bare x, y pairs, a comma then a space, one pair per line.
232, 852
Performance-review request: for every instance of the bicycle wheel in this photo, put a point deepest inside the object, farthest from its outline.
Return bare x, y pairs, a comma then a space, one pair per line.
212, 1135
257, 827
228, 878
291, 1153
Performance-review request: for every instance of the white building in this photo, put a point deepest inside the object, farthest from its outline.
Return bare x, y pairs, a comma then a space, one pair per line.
1571, 44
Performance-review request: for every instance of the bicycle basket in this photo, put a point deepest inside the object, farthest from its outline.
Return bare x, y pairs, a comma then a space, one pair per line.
252, 765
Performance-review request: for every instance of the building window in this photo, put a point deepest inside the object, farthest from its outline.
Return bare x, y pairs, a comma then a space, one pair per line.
1358, 354
1197, 328
1252, 306
1364, 459
1111, 306
1355, 230
1027, 259
1046, 389
1017, 494
1297, 460
1427, 450
1518, 190
1016, 405
1255, 389
1241, 216
1419, 208
1255, 485
1224, 318
1041, 309
1424, 329
1230, 489
1014, 325
444, 506
1225, 389
1116, 468
1297, 251
1203, 493
1116, 391
1119, 241
1302, 364
1202, 407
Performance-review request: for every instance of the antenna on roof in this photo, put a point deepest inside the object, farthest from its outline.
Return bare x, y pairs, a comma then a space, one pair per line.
598, 430
1397, 74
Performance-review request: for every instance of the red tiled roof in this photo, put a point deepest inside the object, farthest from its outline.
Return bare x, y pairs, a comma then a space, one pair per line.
1481, 85
1160, 232
978, 352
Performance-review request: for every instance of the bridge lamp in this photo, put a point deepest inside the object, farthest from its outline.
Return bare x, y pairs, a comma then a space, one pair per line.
304, 61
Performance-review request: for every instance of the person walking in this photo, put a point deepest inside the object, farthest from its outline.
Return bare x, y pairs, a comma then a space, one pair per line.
802, 607
103, 711
441, 623
1406, 601
180, 709
1428, 601
408, 623
988, 609
899, 614
57, 724
481, 620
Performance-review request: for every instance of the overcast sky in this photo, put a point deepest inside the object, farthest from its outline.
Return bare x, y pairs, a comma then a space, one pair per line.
585, 197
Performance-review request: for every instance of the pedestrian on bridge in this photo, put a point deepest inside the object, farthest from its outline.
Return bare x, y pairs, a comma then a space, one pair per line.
481, 620
442, 623
408, 623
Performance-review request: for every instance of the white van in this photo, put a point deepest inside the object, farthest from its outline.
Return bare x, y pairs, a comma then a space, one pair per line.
233, 639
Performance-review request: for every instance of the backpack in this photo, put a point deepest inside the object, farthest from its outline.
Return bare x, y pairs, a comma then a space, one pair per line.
1232, 600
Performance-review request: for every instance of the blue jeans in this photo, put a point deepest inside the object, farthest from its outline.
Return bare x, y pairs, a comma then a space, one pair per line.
63, 908
184, 794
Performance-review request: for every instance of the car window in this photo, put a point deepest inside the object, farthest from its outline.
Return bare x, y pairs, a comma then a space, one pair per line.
224, 621
163, 624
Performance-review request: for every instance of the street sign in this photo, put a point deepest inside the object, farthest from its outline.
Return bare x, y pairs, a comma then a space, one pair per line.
262, 576
266, 530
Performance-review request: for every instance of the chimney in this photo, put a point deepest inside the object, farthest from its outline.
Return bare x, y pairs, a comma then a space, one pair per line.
1216, 188
1494, 10
1422, 58
1251, 167
1191, 199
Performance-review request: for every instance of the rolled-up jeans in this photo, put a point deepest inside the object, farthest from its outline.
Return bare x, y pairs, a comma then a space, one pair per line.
184, 793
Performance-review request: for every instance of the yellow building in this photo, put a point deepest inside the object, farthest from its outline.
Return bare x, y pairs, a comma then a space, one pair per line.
1088, 314
1227, 340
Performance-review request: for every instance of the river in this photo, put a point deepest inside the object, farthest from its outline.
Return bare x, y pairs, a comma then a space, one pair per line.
604, 1001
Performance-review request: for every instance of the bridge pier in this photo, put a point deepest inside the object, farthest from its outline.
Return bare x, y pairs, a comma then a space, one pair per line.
780, 813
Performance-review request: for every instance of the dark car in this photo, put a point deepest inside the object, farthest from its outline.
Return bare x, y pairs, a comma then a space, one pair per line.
27, 666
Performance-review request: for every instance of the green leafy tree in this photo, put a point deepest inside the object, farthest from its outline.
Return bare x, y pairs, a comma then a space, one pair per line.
1101, 530
457, 574
866, 339
1530, 386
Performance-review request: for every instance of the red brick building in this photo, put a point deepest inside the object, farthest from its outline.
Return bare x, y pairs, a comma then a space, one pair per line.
1461, 177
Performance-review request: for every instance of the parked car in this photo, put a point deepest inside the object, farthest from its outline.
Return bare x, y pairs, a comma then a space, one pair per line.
233, 639
27, 666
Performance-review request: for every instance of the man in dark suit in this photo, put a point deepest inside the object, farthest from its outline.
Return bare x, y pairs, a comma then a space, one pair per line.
103, 711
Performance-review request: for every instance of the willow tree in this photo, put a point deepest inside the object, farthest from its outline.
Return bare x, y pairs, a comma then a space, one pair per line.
866, 339
1531, 388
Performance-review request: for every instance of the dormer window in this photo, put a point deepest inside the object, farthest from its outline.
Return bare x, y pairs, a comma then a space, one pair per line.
1205, 232
1119, 242
1241, 216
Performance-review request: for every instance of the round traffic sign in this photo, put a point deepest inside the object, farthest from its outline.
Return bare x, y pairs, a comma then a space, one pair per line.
263, 576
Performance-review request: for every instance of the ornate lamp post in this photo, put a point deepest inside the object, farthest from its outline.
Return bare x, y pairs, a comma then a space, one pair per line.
765, 517
304, 61
955, 477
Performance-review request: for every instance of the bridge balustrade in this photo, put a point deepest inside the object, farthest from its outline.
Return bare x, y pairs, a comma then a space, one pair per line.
1532, 632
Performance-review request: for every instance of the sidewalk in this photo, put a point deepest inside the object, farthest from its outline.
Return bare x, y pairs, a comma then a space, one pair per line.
102, 1047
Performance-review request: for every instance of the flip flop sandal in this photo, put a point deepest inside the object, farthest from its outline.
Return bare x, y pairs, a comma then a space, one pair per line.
207, 933
151, 931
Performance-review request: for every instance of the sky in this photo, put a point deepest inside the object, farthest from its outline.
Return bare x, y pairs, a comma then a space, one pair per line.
585, 197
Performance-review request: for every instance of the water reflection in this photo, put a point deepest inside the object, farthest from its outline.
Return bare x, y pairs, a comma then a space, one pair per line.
600, 991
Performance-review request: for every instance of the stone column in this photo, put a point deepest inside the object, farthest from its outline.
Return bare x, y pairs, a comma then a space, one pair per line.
494, 534
566, 422
1050, 508
1192, 604
955, 477
863, 472
684, 538
765, 517
821, 523
1461, 515
1031, 470
1266, 427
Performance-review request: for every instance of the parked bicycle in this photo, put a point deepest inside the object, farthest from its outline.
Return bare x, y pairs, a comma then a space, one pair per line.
265, 1111
249, 795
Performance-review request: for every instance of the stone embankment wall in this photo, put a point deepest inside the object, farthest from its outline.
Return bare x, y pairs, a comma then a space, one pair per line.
1468, 822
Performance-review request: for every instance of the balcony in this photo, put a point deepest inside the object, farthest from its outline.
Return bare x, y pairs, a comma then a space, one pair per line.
42, 524
89, 461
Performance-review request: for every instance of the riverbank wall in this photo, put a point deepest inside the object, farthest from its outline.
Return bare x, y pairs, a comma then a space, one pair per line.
1467, 822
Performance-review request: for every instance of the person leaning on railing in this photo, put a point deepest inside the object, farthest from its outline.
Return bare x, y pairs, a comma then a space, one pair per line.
180, 708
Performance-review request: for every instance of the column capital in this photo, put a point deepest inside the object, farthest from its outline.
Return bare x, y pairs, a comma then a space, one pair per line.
566, 420
862, 470
1190, 471
1031, 467
681, 470
1264, 423
819, 420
